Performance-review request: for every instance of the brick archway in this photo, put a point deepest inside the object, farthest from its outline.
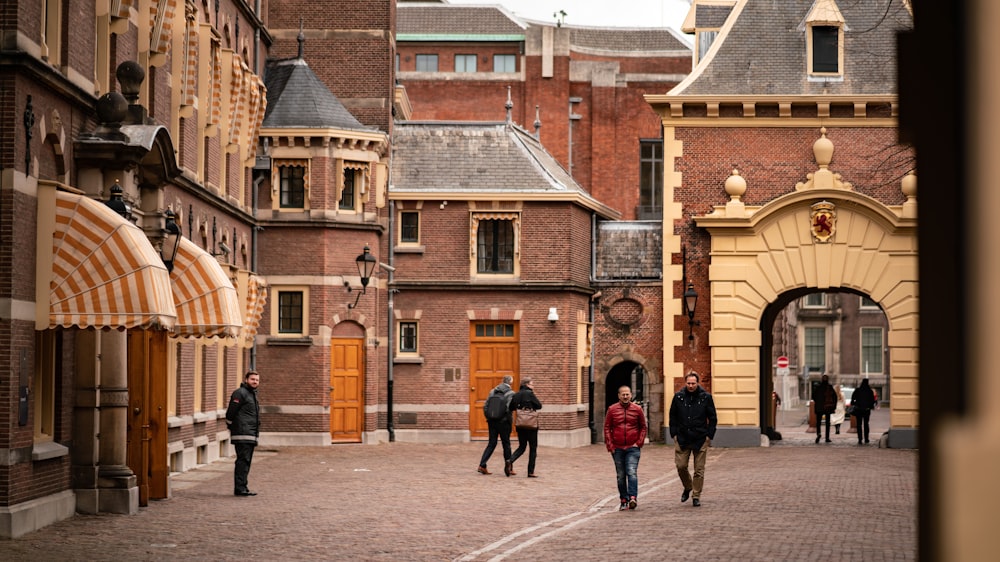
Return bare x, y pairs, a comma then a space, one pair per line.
760, 253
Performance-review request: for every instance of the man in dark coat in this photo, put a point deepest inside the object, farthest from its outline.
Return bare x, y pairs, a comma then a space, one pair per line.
243, 419
499, 428
692, 427
824, 400
863, 401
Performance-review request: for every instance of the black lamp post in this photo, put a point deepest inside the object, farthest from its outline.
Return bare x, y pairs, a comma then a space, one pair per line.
690, 302
366, 265
171, 240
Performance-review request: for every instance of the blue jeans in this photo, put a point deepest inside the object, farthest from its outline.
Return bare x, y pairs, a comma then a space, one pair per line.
627, 466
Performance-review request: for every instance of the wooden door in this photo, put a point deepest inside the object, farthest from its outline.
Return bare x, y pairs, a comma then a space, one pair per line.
146, 451
493, 352
346, 391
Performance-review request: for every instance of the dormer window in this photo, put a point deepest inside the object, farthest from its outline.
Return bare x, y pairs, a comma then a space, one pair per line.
825, 49
824, 27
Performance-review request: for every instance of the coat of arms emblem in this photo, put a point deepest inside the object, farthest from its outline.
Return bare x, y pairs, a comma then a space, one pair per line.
823, 221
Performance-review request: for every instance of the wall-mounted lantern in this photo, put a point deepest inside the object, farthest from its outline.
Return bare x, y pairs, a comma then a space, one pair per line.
366, 263
171, 240
690, 302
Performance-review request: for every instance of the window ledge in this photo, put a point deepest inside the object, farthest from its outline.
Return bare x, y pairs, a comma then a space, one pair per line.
178, 421
301, 340
408, 360
408, 249
48, 450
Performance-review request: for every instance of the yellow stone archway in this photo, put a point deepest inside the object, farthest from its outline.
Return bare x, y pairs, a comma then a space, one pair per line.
759, 253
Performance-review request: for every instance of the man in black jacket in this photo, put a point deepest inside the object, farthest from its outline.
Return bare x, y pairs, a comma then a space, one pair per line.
824, 400
243, 419
692, 427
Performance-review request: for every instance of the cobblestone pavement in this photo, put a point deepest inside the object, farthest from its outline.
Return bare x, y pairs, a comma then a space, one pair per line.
792, 501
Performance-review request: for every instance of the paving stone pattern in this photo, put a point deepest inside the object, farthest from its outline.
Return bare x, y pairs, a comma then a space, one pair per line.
792, 501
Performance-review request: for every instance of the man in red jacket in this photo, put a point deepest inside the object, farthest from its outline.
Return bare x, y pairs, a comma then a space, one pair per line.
624, 435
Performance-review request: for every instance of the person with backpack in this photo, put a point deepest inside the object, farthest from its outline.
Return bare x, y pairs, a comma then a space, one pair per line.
824, 400
497, 412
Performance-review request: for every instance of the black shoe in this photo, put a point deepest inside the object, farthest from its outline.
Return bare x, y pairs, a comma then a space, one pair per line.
828, 440
507, 468
817, 439
246, 493
696, 503
685, 495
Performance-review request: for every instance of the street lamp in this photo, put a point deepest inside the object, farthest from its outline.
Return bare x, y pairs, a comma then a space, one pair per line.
171, 240
690, 302
366, 263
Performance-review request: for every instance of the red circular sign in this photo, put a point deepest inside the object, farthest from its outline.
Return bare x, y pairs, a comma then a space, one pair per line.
782, 362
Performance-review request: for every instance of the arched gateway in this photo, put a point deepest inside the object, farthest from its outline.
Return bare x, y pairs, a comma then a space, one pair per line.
822, 236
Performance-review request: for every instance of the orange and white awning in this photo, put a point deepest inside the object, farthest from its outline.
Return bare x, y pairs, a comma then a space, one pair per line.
101, 269
256, 298
207, 303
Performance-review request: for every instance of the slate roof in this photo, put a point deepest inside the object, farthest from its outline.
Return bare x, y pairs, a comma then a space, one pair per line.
764, 53
468, 21
626, 39
464, 20
297, 98
476, 158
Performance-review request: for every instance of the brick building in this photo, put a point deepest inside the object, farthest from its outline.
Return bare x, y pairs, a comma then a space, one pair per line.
782, 161
128, 295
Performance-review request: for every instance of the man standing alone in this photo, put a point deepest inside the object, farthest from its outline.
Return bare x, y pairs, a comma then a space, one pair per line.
243, 419
824, 405
624, 435
692, 427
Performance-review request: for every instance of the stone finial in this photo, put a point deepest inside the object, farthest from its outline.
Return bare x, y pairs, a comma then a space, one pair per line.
736, 186
908, 185
301, 38
509, 106
823, 149
823, 178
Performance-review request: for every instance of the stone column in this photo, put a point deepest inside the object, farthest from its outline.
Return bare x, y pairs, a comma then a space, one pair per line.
117, 485
86, 422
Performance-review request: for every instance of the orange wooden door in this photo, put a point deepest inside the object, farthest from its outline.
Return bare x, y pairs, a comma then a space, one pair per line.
493, 352
146, 449
347, 383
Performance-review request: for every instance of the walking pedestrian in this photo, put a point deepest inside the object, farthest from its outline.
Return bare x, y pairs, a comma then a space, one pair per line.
824, 400
624, 435
840, 412
498, 421
692, 427
863, 401
243, 420
526, 437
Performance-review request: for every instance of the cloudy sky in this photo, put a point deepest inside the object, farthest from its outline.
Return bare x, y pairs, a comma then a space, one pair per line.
611, 13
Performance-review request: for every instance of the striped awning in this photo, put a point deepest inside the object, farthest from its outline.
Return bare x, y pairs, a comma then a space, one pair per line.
207, 303
256, 298
105, 273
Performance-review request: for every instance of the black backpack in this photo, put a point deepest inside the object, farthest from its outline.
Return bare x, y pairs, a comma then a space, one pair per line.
496, 406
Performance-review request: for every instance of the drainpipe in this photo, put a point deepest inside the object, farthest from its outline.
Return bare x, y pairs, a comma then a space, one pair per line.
390, 321
259, 179
590, 316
